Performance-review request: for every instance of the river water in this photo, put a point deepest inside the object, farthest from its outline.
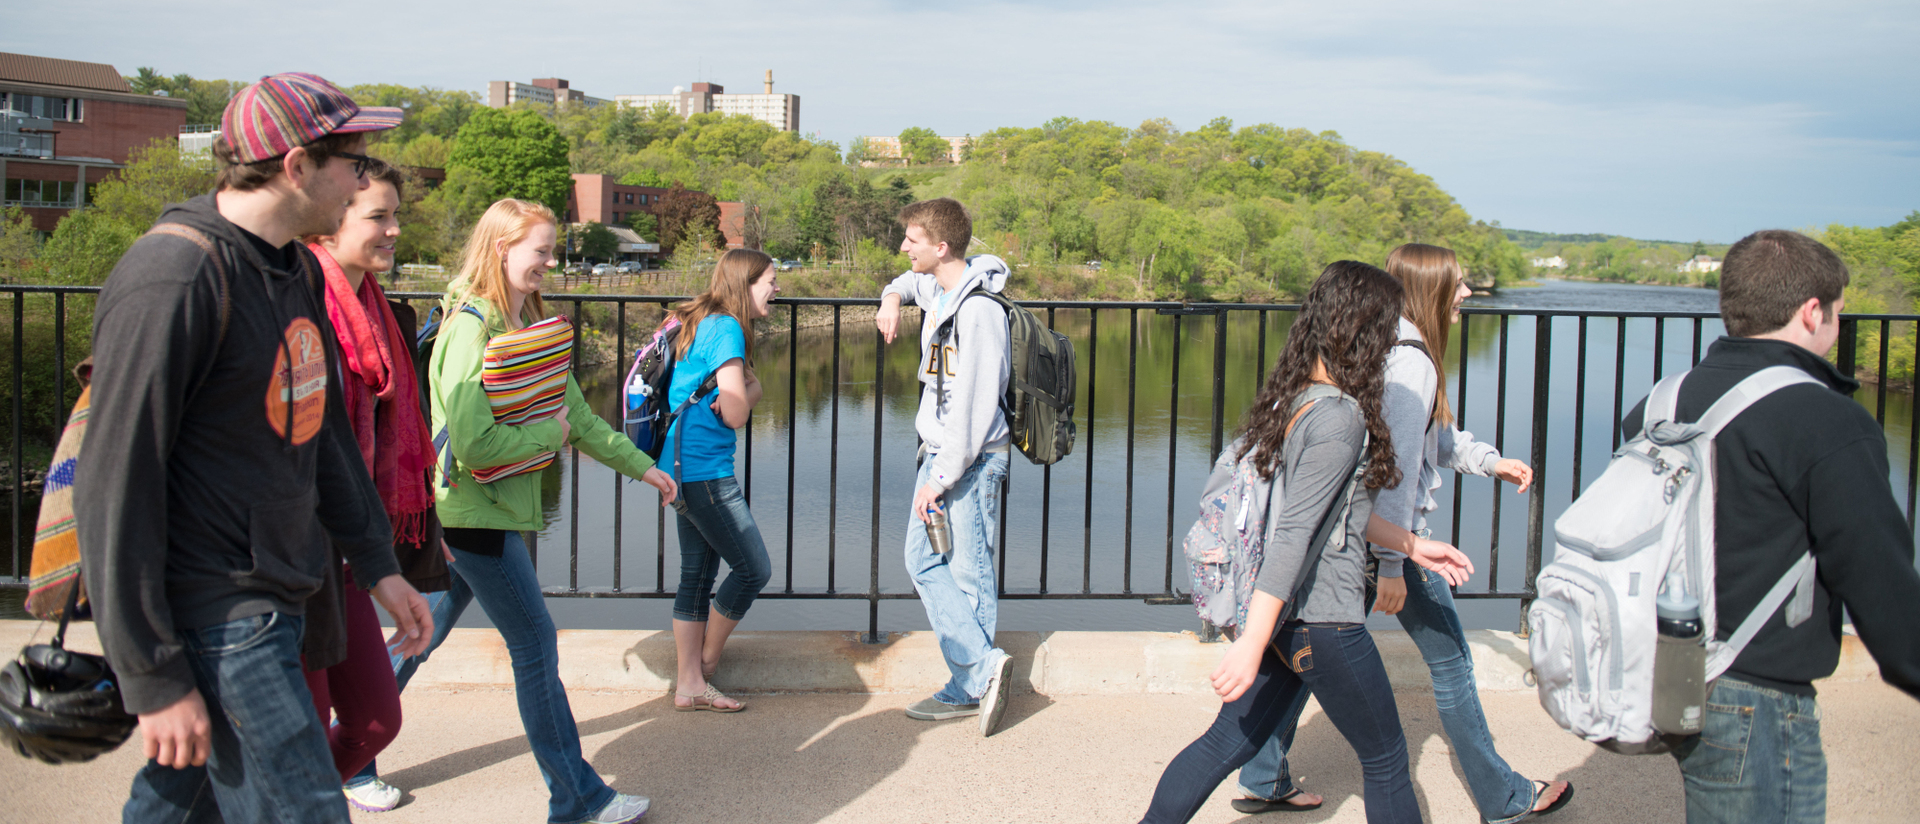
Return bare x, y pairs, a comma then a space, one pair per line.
1108, 517
1083, 525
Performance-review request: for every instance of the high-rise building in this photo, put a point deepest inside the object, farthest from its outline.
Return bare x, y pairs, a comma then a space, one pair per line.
549, 90
781, 111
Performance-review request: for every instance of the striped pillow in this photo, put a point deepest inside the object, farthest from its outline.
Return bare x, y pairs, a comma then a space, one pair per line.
525, 378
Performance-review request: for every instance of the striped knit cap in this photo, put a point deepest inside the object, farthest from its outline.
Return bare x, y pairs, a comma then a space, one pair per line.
286, 111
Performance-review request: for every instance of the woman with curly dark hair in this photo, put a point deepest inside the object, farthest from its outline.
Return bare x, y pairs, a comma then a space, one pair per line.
1316, 431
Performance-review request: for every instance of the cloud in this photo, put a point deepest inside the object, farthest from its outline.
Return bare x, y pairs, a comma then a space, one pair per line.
1644, 117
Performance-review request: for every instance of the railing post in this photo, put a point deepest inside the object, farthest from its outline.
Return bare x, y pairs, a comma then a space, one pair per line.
873, 564
19, 455
1537, 499
1849, 340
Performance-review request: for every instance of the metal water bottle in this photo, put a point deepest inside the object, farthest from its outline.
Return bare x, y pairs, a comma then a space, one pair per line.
1679, 666
938, 533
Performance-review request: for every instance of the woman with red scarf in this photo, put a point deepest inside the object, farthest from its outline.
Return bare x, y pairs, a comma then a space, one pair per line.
383, 403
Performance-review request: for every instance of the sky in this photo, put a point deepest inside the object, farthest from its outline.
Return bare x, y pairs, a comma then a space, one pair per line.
1656, 119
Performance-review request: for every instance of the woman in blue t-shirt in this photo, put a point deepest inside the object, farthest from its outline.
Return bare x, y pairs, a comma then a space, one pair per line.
714, 522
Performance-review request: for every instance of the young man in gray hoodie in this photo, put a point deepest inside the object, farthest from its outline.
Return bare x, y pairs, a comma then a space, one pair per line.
963, 459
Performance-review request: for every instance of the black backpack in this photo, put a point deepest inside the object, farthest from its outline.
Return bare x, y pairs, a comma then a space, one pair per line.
1040, 384
648, 418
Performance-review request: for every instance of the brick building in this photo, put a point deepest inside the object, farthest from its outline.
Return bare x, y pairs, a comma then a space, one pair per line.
66, 125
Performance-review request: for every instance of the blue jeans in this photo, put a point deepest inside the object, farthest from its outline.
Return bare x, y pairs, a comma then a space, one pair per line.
1429, 618
1757, 760
509, 591
959, 589
447, 607
270, 760
1340, 664
715, 525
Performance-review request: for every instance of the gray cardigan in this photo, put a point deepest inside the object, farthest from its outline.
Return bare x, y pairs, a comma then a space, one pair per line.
1320, 456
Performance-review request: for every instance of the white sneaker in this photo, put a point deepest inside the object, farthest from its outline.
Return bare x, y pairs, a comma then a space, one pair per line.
994, 703
375, 796
622, 809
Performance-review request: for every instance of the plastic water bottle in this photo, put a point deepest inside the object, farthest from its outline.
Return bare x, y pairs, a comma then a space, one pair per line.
1679, 666
636, 393
939, 534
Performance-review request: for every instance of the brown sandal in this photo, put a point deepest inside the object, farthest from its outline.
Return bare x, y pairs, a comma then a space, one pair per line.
704, 701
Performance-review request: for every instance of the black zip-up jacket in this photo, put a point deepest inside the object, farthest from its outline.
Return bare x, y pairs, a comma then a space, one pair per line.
1804, 469
213, 472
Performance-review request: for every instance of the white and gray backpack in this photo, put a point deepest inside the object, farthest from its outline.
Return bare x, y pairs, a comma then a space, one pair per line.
1645, 524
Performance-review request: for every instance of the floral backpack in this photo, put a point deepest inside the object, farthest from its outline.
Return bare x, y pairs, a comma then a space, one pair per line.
1225, 546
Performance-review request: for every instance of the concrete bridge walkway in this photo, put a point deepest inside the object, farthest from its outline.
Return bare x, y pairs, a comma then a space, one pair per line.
1094, 721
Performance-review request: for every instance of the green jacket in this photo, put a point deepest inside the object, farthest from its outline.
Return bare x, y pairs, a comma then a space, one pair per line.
460, 405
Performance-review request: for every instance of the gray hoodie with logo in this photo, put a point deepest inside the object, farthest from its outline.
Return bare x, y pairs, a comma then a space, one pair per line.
967, 420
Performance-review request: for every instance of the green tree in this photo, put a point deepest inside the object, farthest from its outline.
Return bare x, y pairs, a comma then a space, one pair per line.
88, 242
206, 99
598, 242
518, 153
920, 146
645, 225
19, 247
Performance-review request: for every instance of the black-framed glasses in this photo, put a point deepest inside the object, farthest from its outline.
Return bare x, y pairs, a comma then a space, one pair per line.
362, 164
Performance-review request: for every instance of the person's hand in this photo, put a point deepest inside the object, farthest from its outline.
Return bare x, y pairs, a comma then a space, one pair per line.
1392, 596
928, 497
1514, 471
1442, 559
663, 482
887, 320
448, 550
1238, 669
566, 429
180, 735
412, 617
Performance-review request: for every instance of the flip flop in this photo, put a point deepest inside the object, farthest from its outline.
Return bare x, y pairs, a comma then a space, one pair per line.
1541, 787
704, 701
1255, 806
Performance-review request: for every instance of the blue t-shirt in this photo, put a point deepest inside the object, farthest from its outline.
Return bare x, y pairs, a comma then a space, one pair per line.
710, 442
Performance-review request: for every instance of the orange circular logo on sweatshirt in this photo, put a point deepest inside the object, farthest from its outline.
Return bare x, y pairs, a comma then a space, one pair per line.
304, 385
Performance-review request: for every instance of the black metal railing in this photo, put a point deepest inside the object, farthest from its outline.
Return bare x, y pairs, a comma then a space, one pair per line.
1243, 354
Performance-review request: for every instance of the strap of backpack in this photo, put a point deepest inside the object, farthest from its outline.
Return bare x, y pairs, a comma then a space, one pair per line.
1798, 582
1743, 394
440, 439
1336, 516
949, 326
711, 383
222, 261
1416, 343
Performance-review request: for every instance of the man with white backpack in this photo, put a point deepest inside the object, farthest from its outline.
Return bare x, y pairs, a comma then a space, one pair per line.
1801, 473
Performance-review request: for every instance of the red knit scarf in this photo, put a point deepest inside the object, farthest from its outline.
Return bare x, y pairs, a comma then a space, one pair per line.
392, 434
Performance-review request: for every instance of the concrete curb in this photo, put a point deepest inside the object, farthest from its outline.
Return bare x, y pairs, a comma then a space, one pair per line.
1050, 663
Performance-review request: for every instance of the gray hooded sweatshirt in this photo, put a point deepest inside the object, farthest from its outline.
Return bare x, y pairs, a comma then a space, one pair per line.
967, 421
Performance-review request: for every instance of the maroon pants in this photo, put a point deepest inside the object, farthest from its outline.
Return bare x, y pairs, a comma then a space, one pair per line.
359, 692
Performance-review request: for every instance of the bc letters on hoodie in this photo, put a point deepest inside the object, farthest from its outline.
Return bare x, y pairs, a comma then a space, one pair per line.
215, 470
968, 420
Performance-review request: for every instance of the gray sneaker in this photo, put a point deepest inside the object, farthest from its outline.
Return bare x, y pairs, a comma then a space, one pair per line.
994, 703
622, 809
933, 709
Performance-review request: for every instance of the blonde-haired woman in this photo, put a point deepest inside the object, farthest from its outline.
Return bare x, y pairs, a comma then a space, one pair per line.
713, 356
505, 262
1417, 412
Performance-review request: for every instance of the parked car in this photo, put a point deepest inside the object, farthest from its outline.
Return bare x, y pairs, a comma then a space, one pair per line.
603, 269
628, 267
1093, 265
786, 265
574, 268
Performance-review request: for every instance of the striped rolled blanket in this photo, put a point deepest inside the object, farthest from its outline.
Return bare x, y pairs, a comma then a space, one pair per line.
56, 548
525, 377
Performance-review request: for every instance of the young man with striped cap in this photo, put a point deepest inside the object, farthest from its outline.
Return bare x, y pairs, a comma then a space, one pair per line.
220, 475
